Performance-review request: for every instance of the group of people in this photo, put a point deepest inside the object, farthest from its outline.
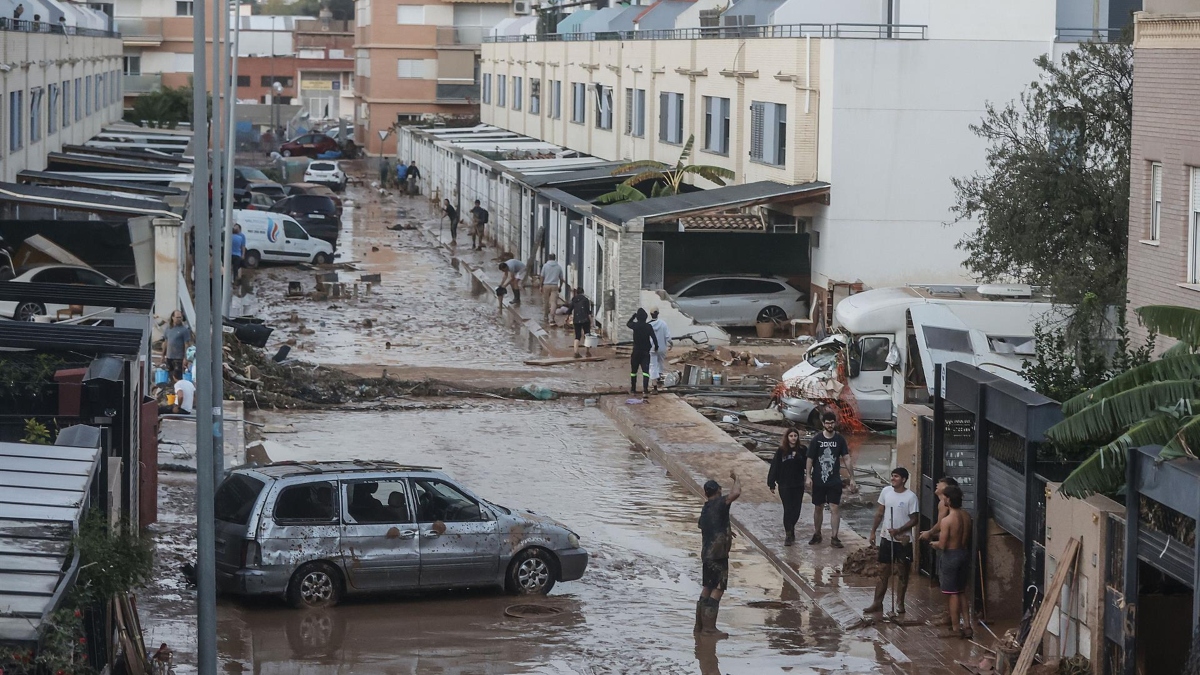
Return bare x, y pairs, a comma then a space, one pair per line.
479, 221
651, 342
405, 176
818, 469
179, 360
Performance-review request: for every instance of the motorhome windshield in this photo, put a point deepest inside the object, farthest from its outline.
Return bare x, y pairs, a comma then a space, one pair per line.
824, 356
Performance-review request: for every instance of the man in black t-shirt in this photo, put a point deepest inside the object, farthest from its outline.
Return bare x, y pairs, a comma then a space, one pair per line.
827, 453
479, 221
580, 308
717, 536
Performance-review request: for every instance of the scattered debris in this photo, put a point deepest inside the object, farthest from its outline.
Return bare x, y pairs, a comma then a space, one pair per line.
558, 361
372, 278
863, 562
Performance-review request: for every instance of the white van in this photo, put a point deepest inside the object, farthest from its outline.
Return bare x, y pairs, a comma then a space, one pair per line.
274, 237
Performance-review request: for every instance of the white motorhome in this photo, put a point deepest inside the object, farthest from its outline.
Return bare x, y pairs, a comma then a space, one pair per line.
893, 337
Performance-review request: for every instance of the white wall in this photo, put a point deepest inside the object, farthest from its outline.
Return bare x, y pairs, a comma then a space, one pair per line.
981, 19
822, 11
899, 113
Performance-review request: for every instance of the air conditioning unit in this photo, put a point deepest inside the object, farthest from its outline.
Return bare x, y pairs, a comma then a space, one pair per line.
520, 6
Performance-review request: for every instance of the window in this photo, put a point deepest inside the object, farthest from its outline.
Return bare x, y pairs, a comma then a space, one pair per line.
556, 99
362, 63
874, 352
236, 497
16, 113
132, 65
768, 133
87, 96
243, 81
716, 125
1194, 228
437, 500
410, 68
65, 94
1155, 200
384, 501
486, 91
670, 117
292, 230
604, 107
705, 289
35, 115
101, 93
307, 503
518, 93
750, 287
52, 110
501, 90
635, 112
283, 80
184, 7
948, 339
410, 15
578, 102
78, 99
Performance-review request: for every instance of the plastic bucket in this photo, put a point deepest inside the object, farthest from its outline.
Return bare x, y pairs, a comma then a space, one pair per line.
718, 378
766, 329
591, 340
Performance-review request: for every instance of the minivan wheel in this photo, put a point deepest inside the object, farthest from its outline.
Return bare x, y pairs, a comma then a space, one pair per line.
314, 585
531, 572
321, 259
252, 259
27, 310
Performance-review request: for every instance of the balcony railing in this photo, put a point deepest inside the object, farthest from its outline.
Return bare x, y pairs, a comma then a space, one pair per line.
463, 93
141, 29
870, 31
23, 26
143, 84
1088, 34
461, 35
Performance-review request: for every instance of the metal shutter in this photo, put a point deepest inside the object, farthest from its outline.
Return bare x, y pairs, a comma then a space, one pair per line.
653, 257
628, 111
757, 122
663, 116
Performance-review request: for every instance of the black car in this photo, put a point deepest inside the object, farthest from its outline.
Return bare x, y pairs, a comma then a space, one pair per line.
318, 215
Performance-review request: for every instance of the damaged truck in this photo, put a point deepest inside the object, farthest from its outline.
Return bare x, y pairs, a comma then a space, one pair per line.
890, 339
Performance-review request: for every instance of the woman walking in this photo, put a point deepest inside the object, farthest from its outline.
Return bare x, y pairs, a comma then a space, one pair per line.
787, 471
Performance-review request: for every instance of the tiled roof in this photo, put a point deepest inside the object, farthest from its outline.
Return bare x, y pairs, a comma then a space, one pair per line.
739, 222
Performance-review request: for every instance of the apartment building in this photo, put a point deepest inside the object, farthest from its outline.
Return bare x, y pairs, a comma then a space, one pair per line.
1164, 171
416, 59
58, 85
874, 98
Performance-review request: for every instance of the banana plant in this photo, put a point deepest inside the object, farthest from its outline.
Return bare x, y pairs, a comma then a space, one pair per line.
1157, 403
667, 181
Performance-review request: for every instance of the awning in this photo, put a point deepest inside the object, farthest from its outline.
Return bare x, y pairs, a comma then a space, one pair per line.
567, 176
62, 161
723, 223
44, 493
126, 153
78, 294
56, 179
83, 201
60, 337
715, 200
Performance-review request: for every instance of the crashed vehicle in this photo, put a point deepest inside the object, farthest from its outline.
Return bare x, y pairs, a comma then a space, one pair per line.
314, 532
892, 338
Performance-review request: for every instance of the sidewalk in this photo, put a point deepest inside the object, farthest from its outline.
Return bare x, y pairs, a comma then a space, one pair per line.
693, 450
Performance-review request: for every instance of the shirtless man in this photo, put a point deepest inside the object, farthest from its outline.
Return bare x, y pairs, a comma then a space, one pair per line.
932, 533
955, 560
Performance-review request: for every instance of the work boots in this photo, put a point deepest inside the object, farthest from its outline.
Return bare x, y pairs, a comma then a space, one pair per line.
791, 537
708, 617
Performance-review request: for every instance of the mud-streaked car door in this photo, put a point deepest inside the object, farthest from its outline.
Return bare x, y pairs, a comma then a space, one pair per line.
460, 540
380, 546
301, 524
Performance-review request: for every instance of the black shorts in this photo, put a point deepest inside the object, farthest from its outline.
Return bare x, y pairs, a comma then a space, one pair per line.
895, 551
582, 329
952, 570
715, 574
827, 493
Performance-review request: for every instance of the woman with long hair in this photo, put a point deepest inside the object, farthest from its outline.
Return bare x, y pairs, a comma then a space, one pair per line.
787, 471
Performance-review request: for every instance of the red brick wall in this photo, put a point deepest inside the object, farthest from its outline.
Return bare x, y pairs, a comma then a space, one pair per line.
1166, 129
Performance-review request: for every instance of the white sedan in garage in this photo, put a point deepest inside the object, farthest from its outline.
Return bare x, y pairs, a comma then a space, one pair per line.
26, 310
738, 300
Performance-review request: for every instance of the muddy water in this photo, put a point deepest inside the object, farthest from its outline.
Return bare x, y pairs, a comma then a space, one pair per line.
633, 610
427, 310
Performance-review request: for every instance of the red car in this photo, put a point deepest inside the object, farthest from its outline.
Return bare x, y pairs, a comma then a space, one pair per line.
308, 145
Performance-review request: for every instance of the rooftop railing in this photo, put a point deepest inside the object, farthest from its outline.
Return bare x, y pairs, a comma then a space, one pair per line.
24, 26
1087, 34
870, 31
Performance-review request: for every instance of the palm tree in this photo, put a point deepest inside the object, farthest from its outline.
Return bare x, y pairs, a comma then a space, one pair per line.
667, 181
1157, 403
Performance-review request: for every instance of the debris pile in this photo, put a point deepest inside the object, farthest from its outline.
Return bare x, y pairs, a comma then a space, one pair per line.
863, 562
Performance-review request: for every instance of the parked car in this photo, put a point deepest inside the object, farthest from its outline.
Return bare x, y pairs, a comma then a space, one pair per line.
245, 177
370, 527
274, 237
259, 201
316, 213
308, 145
313, 189
26, 310
272, 190
326, 172
738, 300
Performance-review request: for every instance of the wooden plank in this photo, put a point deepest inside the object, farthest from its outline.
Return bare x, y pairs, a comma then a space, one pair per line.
1065, 568
564, 360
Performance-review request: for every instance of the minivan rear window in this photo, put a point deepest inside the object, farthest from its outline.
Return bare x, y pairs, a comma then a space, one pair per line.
235, 498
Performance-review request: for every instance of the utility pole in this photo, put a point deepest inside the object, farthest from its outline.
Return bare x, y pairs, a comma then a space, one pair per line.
231, 143
217, 280
206, 581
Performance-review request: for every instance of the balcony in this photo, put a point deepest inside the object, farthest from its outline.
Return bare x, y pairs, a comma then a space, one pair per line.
140, 32
143, 84
458, 93
1087, 34
467, 36
868, 31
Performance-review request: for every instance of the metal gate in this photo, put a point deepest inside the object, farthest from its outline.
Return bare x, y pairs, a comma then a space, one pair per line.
1114, 598
653, 264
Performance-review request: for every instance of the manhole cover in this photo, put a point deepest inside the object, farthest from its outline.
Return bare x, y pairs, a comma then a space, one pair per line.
768, 604
532, 611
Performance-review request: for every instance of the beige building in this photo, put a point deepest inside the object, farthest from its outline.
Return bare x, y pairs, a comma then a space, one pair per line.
1164, 171
415, 59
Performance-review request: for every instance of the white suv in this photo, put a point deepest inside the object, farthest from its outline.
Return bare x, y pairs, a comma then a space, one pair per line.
738, 300
326, 172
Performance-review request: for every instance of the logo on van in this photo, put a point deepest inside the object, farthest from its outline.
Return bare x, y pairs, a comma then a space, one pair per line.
273, 228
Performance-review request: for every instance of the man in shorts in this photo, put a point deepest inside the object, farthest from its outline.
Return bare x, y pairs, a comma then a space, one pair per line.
717, 537
954, 563
827, 456
479, 221
580, 309
514, 274
898, 511
553, 279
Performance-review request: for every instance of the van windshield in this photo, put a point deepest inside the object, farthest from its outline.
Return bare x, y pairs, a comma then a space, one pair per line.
235, 498
824, 357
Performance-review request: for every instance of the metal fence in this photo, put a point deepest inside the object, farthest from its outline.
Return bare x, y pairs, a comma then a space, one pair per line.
1088, 34
868, 31
24, 26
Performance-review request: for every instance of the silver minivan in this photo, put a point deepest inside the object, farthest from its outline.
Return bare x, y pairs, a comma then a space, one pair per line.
313, 532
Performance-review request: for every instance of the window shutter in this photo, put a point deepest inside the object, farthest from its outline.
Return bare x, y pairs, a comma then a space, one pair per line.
1195, 189
628, 111
757, 122
780, 134
663, 115
1156, 177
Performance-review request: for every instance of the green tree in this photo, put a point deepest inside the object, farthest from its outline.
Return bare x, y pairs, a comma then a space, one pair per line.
667, 181
1156, 403
165, 108
1053, 202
